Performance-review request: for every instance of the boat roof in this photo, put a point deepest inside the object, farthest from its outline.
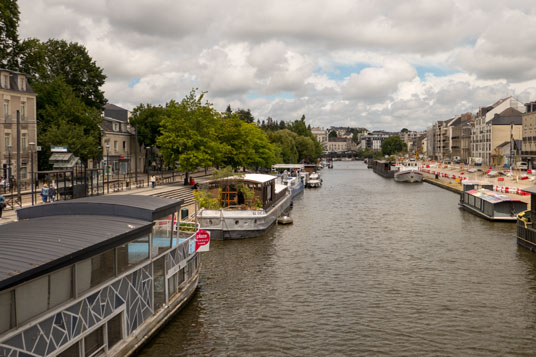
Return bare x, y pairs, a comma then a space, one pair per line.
287, 166
491, 196
531, 189
146, 208
34, 247
257, 178
474, 182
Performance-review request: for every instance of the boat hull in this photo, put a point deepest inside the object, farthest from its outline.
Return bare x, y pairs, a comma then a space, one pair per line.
408, 176
483, 215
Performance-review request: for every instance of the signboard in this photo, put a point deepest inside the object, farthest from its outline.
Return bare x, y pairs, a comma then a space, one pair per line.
58, 149
38, 147
202, 241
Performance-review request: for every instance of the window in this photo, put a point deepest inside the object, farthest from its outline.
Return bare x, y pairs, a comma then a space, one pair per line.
5, 80
94, 342
116, 127
61, 287
7, 141
7, 311
93, 271
116, 147
124, 145
73, 351
23, 111
31, 299
172, 285
6, 110
115, 330
161, 235
159, 274
24, 141
130, 254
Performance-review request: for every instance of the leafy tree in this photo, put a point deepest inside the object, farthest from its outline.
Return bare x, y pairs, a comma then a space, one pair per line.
286, 142
305, 147
9, 37
44, 61
332, 134
147, 118
299, 127
393, 145
64, 119
189, 134
245, 115
404, 130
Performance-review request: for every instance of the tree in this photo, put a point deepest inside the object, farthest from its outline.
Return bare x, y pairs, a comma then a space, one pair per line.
332, 134
9, 37
44, 61
64, 119
189, 134
245, 115
404, 130
285, 140
393, 145
147, 118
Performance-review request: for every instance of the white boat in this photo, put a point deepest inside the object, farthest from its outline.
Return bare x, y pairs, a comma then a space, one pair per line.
294, 184
408, 172
240, 217
314, 181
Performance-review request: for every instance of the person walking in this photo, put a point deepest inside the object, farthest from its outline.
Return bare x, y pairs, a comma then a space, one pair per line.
51, 193
44, 193
2, 204
153, 181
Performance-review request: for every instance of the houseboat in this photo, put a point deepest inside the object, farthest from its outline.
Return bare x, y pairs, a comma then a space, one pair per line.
408, 171
240, 216
384, 168
293, 176
480, 199
526, 231
93, 276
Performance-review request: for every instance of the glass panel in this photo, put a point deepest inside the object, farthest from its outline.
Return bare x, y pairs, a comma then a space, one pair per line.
94, 342
115, 330
159, 282
172, 285
161, 235
132, 253
94, 271
6, 306
180, 277
73, 351
61, 288
31, 299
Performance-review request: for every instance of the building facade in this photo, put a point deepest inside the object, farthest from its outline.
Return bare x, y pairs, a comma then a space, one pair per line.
17, 142
321, 136
528, 153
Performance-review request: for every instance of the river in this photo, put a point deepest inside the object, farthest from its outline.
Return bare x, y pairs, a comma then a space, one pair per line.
369, 267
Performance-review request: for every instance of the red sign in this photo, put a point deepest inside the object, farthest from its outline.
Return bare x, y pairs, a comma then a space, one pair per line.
202, 241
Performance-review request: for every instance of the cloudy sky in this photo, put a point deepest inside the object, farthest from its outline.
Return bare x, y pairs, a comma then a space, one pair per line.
381, 64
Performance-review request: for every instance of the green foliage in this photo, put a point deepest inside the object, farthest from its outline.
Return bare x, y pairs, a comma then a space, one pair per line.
147, 118
404, 130
247, 192
9, 37
393, 145
286, 141
224, 172
46, 61
204, 200
245, 116
332, 134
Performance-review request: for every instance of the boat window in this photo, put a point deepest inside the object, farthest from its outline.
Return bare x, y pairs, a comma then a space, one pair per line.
130, 254
115, 330
61, 286
159, 274
94, 342
172, 285
73, 351
31, 299
6, 311
95, 270
229, 196
162, 235
180, 277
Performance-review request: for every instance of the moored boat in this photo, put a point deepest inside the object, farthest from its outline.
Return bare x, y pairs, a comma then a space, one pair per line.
408, 172
526, 230
384, 168
240, 216
480, 199
314, 181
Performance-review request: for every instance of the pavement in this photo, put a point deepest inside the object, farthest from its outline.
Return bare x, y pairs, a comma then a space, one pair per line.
175, 190
518, 180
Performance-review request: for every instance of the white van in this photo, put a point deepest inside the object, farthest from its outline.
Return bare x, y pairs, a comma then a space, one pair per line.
521, 165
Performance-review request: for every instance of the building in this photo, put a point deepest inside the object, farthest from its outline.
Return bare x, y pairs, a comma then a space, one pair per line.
338, 144
119, 147
321, 136
483, 140
93, 276
528, 153
18, 145
373, 140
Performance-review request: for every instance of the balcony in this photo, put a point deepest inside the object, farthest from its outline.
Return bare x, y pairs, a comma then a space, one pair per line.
7, 118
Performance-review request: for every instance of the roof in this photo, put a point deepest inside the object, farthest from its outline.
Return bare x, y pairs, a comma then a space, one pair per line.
531, 189
116, 112
491, 196
287, 166
38, 246
146, 208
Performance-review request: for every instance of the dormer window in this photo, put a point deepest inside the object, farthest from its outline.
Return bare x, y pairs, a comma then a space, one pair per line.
116, 126
22, 83
5, 80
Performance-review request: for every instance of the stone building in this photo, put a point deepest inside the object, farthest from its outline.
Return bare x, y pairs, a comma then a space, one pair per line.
17, 96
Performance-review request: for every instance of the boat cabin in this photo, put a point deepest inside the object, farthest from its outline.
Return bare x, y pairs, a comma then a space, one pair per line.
526, 232
92, 276
231, 193
479, 198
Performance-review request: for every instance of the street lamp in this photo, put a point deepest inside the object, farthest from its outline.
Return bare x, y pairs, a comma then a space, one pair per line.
107, 167
147, 163
9, 176
32, 168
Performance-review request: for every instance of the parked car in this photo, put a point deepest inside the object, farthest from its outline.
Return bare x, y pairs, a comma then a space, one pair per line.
521, 165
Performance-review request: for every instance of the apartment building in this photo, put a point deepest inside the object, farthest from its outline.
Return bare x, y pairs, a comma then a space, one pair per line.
17, 142
321, 136
528, 153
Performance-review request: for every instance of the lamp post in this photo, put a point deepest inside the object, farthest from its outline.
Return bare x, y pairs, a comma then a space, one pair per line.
9, 176
107, 167
147, 163
31, 144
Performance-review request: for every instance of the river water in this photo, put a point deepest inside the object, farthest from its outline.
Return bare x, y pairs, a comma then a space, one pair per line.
369, 267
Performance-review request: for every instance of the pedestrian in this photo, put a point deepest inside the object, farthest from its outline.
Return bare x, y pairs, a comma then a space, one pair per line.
2, 204
51, 193
3, 183
44, 193
153, 181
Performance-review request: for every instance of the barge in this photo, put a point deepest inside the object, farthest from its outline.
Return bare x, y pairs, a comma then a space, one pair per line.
239, 216
526, 230
480, 199
93, 276
384, 168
